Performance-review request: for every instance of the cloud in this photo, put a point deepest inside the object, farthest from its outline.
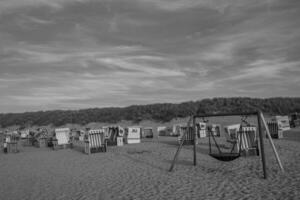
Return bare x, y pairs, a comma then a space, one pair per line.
10, 5
220, 6
267, 69
39, 21
76, 54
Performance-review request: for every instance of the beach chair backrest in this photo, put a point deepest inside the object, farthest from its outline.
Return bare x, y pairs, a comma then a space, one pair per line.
162, 130
274, 127
187, 132
231, 132
215, 129
24, 133
121, 131
283, 122
148, 132
202, 125
247, 137
96, 138
62, 135
133, 133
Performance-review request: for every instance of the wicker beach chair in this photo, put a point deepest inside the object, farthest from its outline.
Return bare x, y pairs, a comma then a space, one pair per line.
95, 141
62, 138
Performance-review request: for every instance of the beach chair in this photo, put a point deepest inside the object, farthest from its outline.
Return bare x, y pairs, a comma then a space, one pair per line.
249, 141
162, 131
244, 136
41, 138
113, 134
231, 132
275, 129
215, 129
147, 132
186, 134
62, 138
95, 141
11, 143
201, 129
132, 135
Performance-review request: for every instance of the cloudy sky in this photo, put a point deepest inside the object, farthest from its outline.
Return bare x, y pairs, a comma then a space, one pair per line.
71, 54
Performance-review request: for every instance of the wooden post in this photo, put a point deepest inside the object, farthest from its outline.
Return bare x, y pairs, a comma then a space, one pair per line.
16, 148
261, 142
87, 147
179, 147
271, 141
209, 142
195, 140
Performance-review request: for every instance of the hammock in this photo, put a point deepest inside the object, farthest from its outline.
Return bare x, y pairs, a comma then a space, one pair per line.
223, 156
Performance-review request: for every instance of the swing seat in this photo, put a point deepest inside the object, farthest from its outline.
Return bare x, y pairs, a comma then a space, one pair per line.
226, 157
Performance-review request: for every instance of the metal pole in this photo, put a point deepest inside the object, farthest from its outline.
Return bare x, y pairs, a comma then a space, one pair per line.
261, 142
195, 140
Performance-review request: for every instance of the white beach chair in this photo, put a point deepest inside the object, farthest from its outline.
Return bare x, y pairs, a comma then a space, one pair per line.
62, 138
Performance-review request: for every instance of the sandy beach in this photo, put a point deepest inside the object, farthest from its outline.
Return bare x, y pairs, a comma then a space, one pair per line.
140, 171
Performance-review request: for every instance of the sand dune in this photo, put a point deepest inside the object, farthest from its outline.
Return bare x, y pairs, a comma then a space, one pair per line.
141, 172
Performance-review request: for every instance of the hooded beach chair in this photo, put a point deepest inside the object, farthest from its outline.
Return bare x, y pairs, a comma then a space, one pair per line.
244, 136
133, 135
62, 137
95, 141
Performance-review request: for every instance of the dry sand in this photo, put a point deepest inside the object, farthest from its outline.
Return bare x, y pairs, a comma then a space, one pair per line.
140, 171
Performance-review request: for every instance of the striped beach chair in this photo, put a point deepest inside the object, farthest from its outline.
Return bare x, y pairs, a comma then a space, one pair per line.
95, 141
244, 137
188, 137
247, 138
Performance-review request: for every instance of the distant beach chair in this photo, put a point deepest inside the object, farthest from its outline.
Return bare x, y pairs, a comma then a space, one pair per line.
215, 129
41, 138
132, 135
165, 131
275, 129
11, 143
282, 122
201, 129
112, 133
95, 141
147, 132
62, 138
185, 133
231, 132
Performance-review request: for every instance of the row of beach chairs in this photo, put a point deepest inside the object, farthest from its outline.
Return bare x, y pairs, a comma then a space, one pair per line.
97, 140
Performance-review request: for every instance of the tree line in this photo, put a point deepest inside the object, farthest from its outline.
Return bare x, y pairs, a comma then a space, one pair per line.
162, 112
